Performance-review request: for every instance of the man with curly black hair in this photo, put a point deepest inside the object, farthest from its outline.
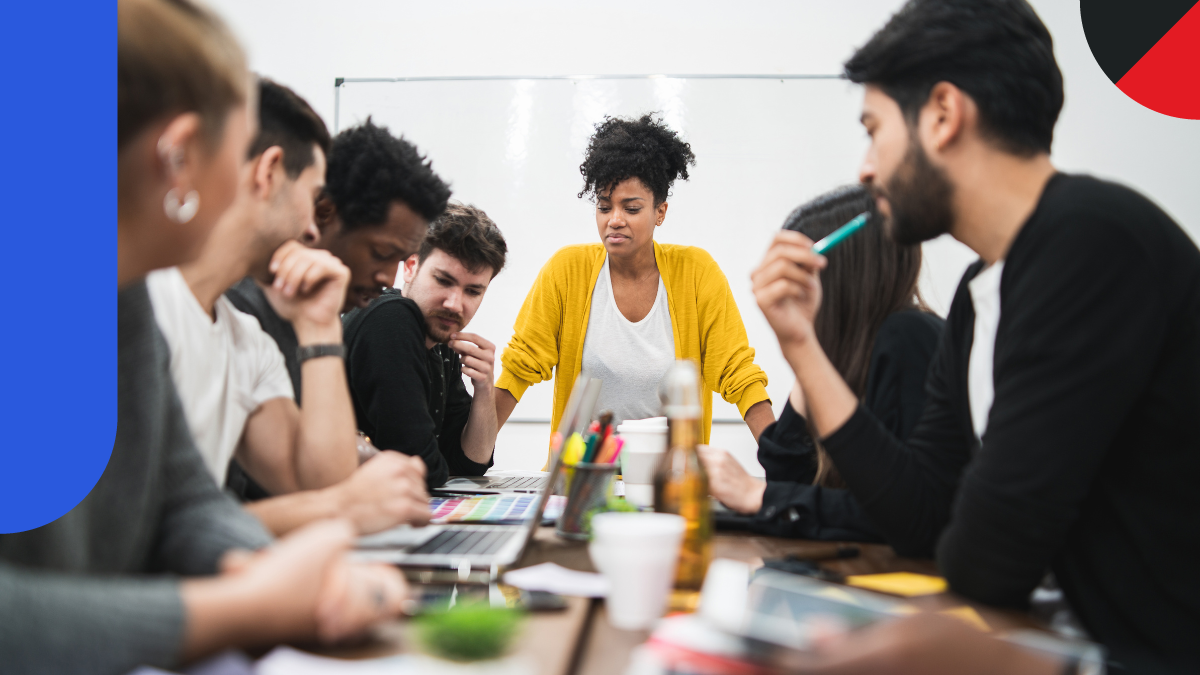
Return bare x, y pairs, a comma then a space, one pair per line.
626, 308
380, 196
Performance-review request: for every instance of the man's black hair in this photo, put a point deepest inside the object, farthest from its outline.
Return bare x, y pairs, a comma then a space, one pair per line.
369, 168
997, 51
286, 120
644, 148
468, 235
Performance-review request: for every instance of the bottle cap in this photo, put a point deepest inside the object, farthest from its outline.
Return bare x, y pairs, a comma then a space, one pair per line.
680, 391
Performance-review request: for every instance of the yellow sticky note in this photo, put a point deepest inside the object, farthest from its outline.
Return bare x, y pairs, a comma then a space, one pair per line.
906, 584
968, 614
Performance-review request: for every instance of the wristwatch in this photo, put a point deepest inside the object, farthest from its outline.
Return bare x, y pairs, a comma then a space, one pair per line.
306, 352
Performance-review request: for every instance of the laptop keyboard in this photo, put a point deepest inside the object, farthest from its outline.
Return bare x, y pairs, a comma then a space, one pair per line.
518, 482
466, 542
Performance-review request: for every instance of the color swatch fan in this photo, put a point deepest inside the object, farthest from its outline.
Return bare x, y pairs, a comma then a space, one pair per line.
513, 508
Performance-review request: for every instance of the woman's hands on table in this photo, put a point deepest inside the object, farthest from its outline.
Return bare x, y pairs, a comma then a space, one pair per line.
729, 482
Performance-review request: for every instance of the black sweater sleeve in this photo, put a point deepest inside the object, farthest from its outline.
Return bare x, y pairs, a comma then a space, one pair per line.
785, 448
1073, 350
792, 505
387, 365
907, 491
1080, 335
900, 360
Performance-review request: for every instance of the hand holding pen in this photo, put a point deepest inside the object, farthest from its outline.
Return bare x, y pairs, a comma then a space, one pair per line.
787, 284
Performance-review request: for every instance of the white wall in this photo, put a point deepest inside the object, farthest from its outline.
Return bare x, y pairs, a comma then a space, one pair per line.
306, 44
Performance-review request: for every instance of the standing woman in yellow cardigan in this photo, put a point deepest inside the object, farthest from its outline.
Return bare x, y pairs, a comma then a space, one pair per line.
625, 308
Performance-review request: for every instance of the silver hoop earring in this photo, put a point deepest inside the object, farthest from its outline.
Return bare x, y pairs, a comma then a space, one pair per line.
181, 212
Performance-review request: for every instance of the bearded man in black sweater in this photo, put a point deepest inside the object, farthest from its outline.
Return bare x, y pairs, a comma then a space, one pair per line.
1059, 433
406, 355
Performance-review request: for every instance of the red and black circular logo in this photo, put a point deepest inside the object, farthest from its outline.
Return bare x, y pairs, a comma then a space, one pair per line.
1150, 49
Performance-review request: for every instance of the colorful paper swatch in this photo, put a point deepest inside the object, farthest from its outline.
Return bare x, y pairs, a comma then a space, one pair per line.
514, 508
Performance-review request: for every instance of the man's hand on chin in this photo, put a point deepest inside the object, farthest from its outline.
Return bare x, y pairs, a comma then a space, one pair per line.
478, 357
309, 290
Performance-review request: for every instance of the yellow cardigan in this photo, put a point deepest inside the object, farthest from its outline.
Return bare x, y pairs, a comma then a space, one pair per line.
549, 332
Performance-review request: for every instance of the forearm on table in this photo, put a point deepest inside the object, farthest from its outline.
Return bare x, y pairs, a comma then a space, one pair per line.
222, 612
830, 401
326, 452
479, 435
283, 514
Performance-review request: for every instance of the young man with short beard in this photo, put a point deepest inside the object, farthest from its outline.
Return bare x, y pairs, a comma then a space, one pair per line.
406, 354
1059, 433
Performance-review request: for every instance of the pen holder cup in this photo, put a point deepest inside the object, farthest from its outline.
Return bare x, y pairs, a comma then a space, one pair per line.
588, 487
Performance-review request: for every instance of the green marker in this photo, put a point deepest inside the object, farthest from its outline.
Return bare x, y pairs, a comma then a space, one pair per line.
841, 234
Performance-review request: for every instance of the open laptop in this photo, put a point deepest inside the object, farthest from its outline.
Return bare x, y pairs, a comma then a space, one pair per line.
478, 546
494, 484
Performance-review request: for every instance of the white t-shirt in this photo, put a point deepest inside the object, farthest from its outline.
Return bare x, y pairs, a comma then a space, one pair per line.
224, 369
629, 358
985, 296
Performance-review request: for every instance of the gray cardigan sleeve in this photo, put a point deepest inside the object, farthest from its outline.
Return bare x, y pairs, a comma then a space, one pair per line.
199, 521
70, 622
97, 591
55, 622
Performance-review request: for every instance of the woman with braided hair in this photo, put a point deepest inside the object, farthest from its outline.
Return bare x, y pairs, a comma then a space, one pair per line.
626, 308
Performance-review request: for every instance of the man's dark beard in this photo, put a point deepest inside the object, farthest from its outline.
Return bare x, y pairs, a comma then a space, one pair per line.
443, 339
919, 195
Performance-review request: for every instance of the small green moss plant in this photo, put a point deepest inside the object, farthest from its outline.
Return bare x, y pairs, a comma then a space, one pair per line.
474, 632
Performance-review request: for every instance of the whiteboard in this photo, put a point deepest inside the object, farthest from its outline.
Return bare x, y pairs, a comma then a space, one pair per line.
513, 147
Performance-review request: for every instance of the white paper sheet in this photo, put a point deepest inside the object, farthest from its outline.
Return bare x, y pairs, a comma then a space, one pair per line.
557, 579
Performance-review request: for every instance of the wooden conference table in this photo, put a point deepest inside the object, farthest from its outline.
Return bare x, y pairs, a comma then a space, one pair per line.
580, 641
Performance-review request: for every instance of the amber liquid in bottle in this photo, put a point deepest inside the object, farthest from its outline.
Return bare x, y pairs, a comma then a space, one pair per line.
680, 483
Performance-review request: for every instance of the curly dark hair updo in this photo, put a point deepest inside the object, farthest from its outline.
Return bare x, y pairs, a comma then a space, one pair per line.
369, 168
644, 148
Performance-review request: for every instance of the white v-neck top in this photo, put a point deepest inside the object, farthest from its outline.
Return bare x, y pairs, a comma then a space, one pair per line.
629, 358
985, 296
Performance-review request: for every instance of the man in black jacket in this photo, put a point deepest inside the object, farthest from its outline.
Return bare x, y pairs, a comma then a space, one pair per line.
406, 354
1059, 433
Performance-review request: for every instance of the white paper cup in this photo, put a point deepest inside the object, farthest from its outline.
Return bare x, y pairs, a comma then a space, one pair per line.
638, 554
645, 443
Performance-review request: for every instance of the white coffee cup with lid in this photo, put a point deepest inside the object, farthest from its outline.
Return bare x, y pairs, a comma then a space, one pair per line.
645, 443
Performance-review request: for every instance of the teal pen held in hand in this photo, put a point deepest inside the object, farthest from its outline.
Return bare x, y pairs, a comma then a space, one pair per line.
841, 234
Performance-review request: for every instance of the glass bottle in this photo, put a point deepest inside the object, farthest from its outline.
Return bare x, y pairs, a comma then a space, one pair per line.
680, 483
